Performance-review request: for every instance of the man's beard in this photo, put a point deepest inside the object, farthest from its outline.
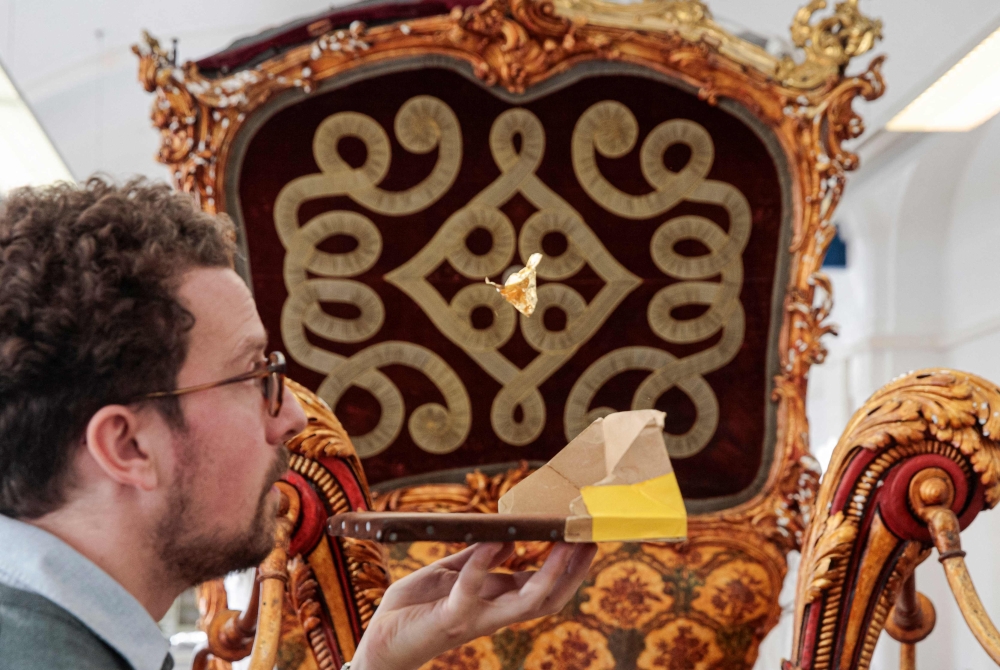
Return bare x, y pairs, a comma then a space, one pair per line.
195, 558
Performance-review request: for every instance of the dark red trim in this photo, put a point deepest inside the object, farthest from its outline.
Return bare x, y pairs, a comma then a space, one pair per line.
245, 50
858, 465
810, 629
348, 480
312, 517
895, 506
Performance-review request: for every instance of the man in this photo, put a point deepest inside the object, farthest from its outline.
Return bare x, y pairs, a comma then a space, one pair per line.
141, 435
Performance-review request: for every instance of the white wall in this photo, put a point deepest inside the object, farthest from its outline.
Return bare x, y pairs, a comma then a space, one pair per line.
72, 62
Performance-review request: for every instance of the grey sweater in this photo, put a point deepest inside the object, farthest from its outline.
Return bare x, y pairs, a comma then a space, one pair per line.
58, 609
37, 634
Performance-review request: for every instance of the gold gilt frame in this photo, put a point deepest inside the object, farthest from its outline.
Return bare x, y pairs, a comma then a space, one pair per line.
515, 44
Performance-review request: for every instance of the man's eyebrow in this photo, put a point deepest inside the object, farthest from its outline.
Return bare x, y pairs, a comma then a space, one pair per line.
248, 345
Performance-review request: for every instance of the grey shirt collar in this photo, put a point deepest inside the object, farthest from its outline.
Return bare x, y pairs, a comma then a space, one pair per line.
34, 560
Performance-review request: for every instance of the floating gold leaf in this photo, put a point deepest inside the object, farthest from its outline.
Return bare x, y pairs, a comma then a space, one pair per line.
520, 288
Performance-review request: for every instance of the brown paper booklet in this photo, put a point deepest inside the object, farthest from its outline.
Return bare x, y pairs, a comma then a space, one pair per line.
613, 482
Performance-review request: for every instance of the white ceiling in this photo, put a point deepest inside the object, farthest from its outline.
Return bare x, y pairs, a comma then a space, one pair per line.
72, 62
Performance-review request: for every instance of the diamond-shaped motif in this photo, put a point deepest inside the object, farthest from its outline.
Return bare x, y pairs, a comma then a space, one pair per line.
453, 319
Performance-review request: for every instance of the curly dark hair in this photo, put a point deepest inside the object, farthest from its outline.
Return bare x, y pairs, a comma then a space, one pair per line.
89, 317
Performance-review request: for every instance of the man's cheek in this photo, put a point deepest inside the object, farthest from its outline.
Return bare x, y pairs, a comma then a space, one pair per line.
229, 492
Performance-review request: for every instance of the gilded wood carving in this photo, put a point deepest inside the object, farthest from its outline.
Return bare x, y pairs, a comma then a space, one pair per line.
867, 536
517, 44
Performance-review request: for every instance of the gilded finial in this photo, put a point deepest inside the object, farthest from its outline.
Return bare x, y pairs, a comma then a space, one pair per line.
829, 44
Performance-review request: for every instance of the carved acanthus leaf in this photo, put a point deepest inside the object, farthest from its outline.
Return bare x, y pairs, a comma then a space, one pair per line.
809, 322
302, 590
836, 539
368, 573
324, 436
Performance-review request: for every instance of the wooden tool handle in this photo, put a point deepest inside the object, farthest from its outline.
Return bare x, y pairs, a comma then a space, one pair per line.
446, 527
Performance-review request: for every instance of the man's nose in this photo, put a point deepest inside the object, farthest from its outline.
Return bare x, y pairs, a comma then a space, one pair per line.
291, 420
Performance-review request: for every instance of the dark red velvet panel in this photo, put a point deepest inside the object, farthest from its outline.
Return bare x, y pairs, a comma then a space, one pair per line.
281, 150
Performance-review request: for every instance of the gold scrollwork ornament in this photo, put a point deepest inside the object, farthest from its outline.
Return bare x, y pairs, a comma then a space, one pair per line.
829, 44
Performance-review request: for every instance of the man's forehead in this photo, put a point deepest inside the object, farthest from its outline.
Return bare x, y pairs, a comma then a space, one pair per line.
225, 315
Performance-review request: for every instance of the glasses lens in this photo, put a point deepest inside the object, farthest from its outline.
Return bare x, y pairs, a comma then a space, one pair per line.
274, 383
275, 392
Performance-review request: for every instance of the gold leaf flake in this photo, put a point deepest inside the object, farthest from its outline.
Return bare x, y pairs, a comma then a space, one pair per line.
520, 288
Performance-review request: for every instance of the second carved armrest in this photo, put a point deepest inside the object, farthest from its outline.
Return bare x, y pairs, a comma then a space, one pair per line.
927, 440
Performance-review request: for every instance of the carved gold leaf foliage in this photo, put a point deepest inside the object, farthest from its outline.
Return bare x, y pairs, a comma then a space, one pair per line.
369, 571
953, 408
846, 34
304, 595
810, 321
986, 463
829, 43
835, 541
324, 435
302, 590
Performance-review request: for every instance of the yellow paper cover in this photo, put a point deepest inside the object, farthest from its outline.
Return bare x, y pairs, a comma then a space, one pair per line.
649, 510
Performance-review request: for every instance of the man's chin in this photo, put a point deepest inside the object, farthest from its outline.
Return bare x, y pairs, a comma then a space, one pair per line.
212, 555
196, 554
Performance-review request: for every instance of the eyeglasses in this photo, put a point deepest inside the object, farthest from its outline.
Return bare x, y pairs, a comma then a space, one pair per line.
272, 378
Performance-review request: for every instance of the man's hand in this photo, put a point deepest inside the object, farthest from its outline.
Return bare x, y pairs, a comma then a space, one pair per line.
457, 599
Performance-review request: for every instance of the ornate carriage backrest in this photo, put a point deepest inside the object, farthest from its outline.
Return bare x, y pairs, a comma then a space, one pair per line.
680, 182
378, 175
480, 394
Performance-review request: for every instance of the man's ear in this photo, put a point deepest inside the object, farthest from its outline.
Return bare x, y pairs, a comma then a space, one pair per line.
113, 440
